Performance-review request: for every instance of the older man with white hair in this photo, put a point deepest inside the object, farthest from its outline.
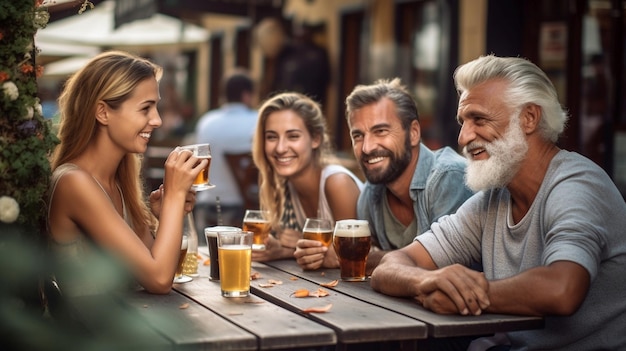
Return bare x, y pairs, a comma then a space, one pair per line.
547, 224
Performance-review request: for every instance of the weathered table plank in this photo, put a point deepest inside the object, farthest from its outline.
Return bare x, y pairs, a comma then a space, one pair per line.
274, 327
189, 325
438, 325
353, 320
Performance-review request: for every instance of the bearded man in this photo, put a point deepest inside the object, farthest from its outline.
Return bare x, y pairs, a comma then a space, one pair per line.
547, 224
408, 185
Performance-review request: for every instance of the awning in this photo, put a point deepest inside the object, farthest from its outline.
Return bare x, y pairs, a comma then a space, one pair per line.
65, 67
95, 27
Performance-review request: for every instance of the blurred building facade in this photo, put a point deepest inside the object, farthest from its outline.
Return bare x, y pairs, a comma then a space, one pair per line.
581, 44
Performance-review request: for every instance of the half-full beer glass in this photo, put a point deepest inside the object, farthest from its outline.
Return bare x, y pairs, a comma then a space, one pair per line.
257, 221
352, 242
235, 257
201, 151
318, 229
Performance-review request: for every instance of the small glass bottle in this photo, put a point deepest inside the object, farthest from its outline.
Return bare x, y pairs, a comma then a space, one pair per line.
190, 267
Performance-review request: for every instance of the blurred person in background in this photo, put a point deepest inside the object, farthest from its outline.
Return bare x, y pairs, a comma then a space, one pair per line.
295, 64
229, 128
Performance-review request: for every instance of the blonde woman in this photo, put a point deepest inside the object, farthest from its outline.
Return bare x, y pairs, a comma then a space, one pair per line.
299, 177
98, 212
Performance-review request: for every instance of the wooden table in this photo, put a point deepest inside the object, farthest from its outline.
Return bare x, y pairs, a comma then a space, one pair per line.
355, 322
438, 325
194, 316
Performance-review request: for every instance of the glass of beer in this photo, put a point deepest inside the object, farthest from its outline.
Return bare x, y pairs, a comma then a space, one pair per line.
179, 277
318, 229
352, 242
257, 221
235, 258
211, 238
201, 151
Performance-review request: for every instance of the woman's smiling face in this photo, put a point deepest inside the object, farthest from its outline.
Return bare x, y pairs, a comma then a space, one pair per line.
131, 124
289, 146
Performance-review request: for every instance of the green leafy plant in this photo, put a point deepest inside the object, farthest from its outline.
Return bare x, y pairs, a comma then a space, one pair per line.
26, 138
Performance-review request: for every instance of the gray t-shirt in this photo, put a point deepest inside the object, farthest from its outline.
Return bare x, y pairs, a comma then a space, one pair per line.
579, 216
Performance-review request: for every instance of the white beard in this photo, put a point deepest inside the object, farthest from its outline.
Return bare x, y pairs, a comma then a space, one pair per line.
505, 157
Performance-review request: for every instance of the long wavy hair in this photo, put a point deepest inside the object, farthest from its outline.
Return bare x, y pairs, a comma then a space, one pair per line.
272, 186
110, 77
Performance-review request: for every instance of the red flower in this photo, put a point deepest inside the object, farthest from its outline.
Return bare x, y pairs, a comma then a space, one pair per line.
3, 76
27, 68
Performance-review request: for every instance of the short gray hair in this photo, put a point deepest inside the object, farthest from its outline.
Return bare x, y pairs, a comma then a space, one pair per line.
364, 95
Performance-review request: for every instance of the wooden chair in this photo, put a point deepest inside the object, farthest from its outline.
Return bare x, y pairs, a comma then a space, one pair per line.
247, 177
152, 166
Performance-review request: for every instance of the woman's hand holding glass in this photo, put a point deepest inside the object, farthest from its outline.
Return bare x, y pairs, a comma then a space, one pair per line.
202, 152
181, 169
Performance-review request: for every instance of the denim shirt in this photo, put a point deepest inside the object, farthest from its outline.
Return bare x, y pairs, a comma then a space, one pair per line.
437, 188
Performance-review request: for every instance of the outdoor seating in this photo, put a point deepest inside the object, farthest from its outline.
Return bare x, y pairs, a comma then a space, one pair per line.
153, 163
247, 176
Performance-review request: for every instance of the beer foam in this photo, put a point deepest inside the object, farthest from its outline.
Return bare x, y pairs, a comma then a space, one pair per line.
352, 228
212, 231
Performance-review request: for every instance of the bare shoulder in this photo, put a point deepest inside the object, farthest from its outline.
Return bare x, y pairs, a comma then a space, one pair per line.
74, 184
342, 194
340, 182
70, 197
77, 196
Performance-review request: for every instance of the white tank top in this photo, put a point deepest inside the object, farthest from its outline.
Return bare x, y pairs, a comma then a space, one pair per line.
323, 207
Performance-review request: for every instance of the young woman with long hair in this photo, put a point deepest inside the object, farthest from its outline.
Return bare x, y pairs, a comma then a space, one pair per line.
97, 207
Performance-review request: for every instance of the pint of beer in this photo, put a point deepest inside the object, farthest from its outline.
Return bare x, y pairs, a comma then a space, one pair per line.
256, 221
235, 260
318, 229
352, 242
211, 238
201, 151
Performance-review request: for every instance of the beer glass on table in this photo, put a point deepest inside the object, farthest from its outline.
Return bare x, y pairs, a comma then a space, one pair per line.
201, 151
352, 242
211, 238
318, 229
179, 277
257, 221
235, 258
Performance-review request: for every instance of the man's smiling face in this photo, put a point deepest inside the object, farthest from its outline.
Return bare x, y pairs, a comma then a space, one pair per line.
491, 136
380, 145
